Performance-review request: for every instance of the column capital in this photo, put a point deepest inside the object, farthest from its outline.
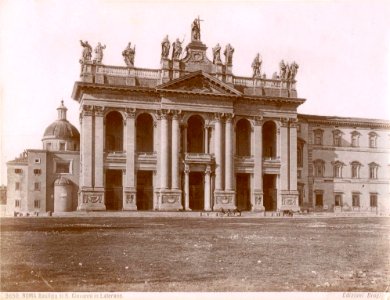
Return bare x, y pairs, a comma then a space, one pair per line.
218, 116
284, 122
99, 111
229, 118
176, 114
293, 122
87, 110
163, 114
258, 120
130, 113
208, 170
186, 169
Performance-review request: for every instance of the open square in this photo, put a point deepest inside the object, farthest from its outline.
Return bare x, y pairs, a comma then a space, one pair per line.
195, 254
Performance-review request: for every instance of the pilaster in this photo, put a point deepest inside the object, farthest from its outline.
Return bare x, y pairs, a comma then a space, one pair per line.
228, 154
218, 152
207, 189
257, 196
175, 150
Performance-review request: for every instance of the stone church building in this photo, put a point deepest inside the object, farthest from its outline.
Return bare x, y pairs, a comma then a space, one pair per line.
192, 136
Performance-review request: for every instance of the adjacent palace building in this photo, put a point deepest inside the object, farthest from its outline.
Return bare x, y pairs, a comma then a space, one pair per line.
193, 136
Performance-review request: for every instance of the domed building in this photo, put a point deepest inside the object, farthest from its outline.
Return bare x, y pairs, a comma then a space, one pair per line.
46, 180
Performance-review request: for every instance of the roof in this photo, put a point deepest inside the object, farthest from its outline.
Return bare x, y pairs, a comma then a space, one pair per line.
61, 129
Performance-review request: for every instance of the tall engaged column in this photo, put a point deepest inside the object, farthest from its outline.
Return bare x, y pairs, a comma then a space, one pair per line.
207, 189
257, 198
164, 151
175, 150
99, 147
228, 154
206, 139
218, 152
186, 187
293, 154
129, 199
86, 140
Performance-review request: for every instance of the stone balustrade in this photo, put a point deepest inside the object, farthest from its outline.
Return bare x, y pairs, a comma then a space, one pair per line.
198, 158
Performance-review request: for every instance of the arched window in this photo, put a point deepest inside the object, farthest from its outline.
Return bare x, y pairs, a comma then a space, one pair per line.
144, 126
269, 140
114, 132
318, 133
372, 139
355, 139
243, 138
319, 168
373, 170
338, 169
337, 135
195, 134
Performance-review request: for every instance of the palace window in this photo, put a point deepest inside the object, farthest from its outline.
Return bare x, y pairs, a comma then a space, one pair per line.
319, 168
355, 200
338, 169
18, 171
337, 134
372, 137
37, 171
17, 203
373, 170
37, 203
355, 169
17, 186
373, 200
62, 146
37, 186
355, 139
338, 200
319, 198
37, 161
318, 133
300, 153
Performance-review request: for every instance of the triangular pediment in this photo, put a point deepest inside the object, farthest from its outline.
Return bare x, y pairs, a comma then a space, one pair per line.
199, 82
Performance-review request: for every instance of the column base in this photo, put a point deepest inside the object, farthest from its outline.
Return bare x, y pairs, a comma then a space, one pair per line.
224, 200
169, 200
129, 199
289, 200
91, 199
257, 204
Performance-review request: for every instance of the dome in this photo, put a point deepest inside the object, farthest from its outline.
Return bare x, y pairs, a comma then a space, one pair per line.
61, 135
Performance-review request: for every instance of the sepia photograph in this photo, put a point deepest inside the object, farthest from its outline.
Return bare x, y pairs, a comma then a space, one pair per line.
187, 149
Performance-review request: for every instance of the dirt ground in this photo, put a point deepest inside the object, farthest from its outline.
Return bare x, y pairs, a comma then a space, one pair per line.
196, 254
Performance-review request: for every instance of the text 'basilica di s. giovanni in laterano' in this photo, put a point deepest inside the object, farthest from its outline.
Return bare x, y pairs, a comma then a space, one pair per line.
192, 136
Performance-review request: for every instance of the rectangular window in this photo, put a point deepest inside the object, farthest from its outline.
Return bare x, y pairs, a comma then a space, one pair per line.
63, 167
18, 171
338, 200
37, 203
48, 146
17, 186
37, 161
37, 186
17, 203
373, 172
373, 200
37, 171
355, 200
62, 146
319, 199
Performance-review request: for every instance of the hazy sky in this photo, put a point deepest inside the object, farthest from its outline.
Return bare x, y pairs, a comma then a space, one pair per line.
342, 48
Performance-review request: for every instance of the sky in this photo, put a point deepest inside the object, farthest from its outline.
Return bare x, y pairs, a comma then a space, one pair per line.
342, 48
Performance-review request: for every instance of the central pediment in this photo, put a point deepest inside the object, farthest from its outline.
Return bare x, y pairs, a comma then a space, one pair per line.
199, 83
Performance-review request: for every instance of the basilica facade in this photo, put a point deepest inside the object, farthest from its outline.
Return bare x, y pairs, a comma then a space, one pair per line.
192, 136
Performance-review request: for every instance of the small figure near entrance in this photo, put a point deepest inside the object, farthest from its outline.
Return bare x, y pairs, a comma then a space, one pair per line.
99, 53
165, 46
87, 52
128, 55
256, 66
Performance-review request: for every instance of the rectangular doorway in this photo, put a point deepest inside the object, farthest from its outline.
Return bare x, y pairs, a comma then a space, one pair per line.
270, 192
196, 190
144, 190
243, 191
114, 190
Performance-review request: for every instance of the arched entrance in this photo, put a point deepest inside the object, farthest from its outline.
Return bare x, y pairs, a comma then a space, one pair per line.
243, 191
196, 195
269, 140
195, 134
144, 125
270, 192
114, 132
243, 138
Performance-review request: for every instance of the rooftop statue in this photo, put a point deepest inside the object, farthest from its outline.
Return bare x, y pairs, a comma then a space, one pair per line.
195, 30
293, 70
229, 50
282, 72
128, 55
177, 49
217, 54
256, 66
165, 46
87, 52
99, 53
